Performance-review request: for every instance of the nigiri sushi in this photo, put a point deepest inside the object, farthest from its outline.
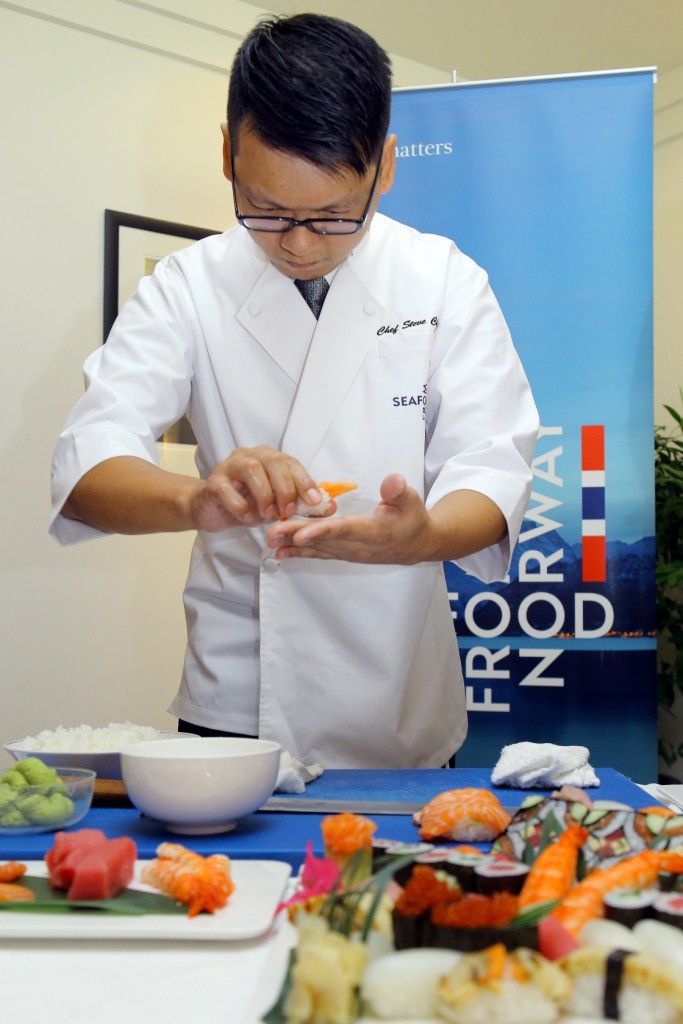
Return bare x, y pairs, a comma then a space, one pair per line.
623, 985
203, 883
660, 939
500, 987
404, 984
464, 815
329, 491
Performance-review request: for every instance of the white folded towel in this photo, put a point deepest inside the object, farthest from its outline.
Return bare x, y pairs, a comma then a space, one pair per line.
293, 775
544, 765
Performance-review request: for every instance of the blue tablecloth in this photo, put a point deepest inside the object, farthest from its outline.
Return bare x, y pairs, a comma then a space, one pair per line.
283, 835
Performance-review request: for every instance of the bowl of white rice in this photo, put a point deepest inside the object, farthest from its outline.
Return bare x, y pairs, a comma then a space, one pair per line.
85, 746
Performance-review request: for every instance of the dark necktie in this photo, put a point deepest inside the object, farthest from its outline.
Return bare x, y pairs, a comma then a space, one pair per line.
314, 292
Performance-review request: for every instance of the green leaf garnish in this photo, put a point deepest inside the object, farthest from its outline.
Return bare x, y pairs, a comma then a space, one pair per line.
533, 914
127, 901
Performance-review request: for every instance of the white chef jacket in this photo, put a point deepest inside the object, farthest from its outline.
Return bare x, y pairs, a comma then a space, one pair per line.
409, 369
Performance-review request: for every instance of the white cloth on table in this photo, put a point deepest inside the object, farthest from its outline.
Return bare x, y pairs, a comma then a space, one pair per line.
525, 765
293, 775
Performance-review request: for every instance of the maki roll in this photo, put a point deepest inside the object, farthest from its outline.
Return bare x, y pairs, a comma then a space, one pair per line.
462, 861
627, 906
475, 922
668, 907
410, 916
500, 874
384, 850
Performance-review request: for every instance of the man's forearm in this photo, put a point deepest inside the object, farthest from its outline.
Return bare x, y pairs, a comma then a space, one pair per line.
131, 496
464, 522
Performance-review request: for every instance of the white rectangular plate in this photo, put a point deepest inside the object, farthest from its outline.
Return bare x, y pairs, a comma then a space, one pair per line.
259, 886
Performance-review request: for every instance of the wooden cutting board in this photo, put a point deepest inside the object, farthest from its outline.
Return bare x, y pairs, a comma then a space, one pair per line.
110, 791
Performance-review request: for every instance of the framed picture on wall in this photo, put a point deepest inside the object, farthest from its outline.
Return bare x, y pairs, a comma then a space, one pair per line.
133, 245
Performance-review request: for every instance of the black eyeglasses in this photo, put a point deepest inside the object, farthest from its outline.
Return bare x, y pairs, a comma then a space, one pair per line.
318, 225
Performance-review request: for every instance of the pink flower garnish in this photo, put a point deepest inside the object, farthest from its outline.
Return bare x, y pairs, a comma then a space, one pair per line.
319, 876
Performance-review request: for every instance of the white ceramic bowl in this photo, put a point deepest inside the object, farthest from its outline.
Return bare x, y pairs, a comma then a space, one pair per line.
200, 786
106, 763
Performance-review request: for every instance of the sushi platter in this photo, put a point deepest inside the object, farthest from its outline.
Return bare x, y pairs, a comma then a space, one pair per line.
479, 847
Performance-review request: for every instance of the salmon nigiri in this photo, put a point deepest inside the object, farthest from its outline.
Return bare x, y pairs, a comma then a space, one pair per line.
329, 491
473, 815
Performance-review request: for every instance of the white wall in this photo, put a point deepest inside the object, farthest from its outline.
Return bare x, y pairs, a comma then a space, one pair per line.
112, 105
105, 105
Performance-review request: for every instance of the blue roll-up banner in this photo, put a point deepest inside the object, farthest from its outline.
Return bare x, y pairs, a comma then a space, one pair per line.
547, 184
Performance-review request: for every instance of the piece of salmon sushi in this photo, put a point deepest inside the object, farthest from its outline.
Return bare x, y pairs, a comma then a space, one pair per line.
329, 491
463, 815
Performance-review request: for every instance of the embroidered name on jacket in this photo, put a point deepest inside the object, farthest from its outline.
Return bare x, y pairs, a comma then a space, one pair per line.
406, 325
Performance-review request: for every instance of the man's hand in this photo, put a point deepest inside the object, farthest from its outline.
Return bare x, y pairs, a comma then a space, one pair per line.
129, 495
252, 486
401, 531
395, 534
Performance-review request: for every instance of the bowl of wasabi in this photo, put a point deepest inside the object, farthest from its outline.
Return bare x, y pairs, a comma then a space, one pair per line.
35, 797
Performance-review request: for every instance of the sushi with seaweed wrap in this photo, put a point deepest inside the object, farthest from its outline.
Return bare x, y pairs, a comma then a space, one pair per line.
620, 984
425, 889
476, 921
500, 874
627, 906
462, 861
668, 908
386, 850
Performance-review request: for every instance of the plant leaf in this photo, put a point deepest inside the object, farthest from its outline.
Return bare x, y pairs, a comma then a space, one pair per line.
533, 914
127, 901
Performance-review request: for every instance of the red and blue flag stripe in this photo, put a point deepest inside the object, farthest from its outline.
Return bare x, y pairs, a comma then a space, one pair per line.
593, 531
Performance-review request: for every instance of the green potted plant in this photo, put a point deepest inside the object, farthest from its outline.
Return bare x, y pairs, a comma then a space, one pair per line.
669, 577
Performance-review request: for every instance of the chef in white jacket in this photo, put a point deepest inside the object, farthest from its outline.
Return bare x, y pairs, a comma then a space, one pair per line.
331, 635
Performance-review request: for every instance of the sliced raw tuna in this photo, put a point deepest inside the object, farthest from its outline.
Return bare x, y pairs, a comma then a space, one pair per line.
66, 842
104, 870
62, 874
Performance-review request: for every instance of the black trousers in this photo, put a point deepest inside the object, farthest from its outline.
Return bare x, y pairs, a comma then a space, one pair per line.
204, 730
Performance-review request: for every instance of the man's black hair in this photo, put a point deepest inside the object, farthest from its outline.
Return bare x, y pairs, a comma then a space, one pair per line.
315, 87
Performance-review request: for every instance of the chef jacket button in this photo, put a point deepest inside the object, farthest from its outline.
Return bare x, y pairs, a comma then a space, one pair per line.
253, 309
271, 564
369, 308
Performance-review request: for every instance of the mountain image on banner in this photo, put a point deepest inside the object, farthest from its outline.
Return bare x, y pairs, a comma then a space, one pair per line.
629, 589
